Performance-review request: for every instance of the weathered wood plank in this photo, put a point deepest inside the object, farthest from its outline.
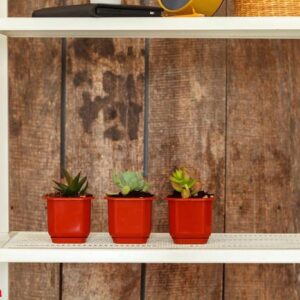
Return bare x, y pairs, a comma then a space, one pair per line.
34, 77
263, 158
186, 126
104, 131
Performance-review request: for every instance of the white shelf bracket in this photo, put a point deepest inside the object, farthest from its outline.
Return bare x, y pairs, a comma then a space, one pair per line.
4, 154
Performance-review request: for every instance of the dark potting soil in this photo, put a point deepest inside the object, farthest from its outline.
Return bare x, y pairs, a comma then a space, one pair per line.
133, 194
200, 194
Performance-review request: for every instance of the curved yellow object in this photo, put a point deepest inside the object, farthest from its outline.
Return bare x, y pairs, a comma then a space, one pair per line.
192, 7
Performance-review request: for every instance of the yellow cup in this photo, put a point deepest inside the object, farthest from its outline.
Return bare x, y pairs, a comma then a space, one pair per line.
190, 7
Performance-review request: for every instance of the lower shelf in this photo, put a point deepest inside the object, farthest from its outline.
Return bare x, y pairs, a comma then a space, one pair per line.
34, 247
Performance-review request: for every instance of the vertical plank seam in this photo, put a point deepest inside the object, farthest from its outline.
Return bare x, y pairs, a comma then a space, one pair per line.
146, 110
62, 131
146, 148
225, 153
146, 144
225, 163
61, 281
143, 281
63, 106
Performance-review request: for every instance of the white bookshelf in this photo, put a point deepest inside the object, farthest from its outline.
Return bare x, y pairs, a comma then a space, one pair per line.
28, 247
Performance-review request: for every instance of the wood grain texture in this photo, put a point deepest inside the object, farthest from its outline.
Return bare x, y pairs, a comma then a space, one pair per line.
263, 159
104, 131
34, 78
186, 127
186, 93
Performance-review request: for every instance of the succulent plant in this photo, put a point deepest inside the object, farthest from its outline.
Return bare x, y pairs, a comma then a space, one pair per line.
74, 186
184, 183
130, 181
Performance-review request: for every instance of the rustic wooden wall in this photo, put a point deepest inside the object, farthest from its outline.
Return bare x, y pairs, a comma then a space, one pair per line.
229, 108
104, 131
34, 91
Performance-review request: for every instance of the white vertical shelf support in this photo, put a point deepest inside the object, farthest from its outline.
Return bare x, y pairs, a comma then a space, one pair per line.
4, 227
4, 140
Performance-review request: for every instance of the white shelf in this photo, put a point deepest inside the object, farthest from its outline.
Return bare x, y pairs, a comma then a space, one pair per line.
210, 27
33, 247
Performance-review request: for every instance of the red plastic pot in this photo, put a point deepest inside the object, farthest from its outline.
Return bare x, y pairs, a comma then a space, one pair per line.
190, 220
69, 219
129, 219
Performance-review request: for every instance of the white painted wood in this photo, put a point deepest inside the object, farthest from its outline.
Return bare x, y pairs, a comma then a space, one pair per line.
210, 27
3, 130
4, 283
4, 175
34, 247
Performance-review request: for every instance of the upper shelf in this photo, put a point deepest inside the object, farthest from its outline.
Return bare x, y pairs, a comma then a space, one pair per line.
210, 27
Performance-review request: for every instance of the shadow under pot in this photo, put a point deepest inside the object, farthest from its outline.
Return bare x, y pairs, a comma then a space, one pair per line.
190, 220
129, 219
69, 219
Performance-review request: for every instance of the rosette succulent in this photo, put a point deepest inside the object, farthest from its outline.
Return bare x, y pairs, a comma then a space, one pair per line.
130, 181
184, 183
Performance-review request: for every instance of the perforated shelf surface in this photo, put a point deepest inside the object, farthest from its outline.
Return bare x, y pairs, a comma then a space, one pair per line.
221, 248
41, 240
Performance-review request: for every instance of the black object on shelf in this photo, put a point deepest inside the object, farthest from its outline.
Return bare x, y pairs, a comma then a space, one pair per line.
98, 10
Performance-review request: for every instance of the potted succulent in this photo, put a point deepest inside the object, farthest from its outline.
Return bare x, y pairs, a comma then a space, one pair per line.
69, 210
190, 209
130, 210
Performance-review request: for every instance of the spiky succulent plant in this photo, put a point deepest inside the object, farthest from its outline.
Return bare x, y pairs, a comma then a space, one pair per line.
130, 181
184, 183
73, 186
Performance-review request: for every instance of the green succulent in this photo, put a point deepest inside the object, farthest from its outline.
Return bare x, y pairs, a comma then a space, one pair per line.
129, 181
74, 186
184, 183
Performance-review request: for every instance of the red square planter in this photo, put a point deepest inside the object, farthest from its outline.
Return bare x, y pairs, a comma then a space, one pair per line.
69, 219
130, 219
190, 220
